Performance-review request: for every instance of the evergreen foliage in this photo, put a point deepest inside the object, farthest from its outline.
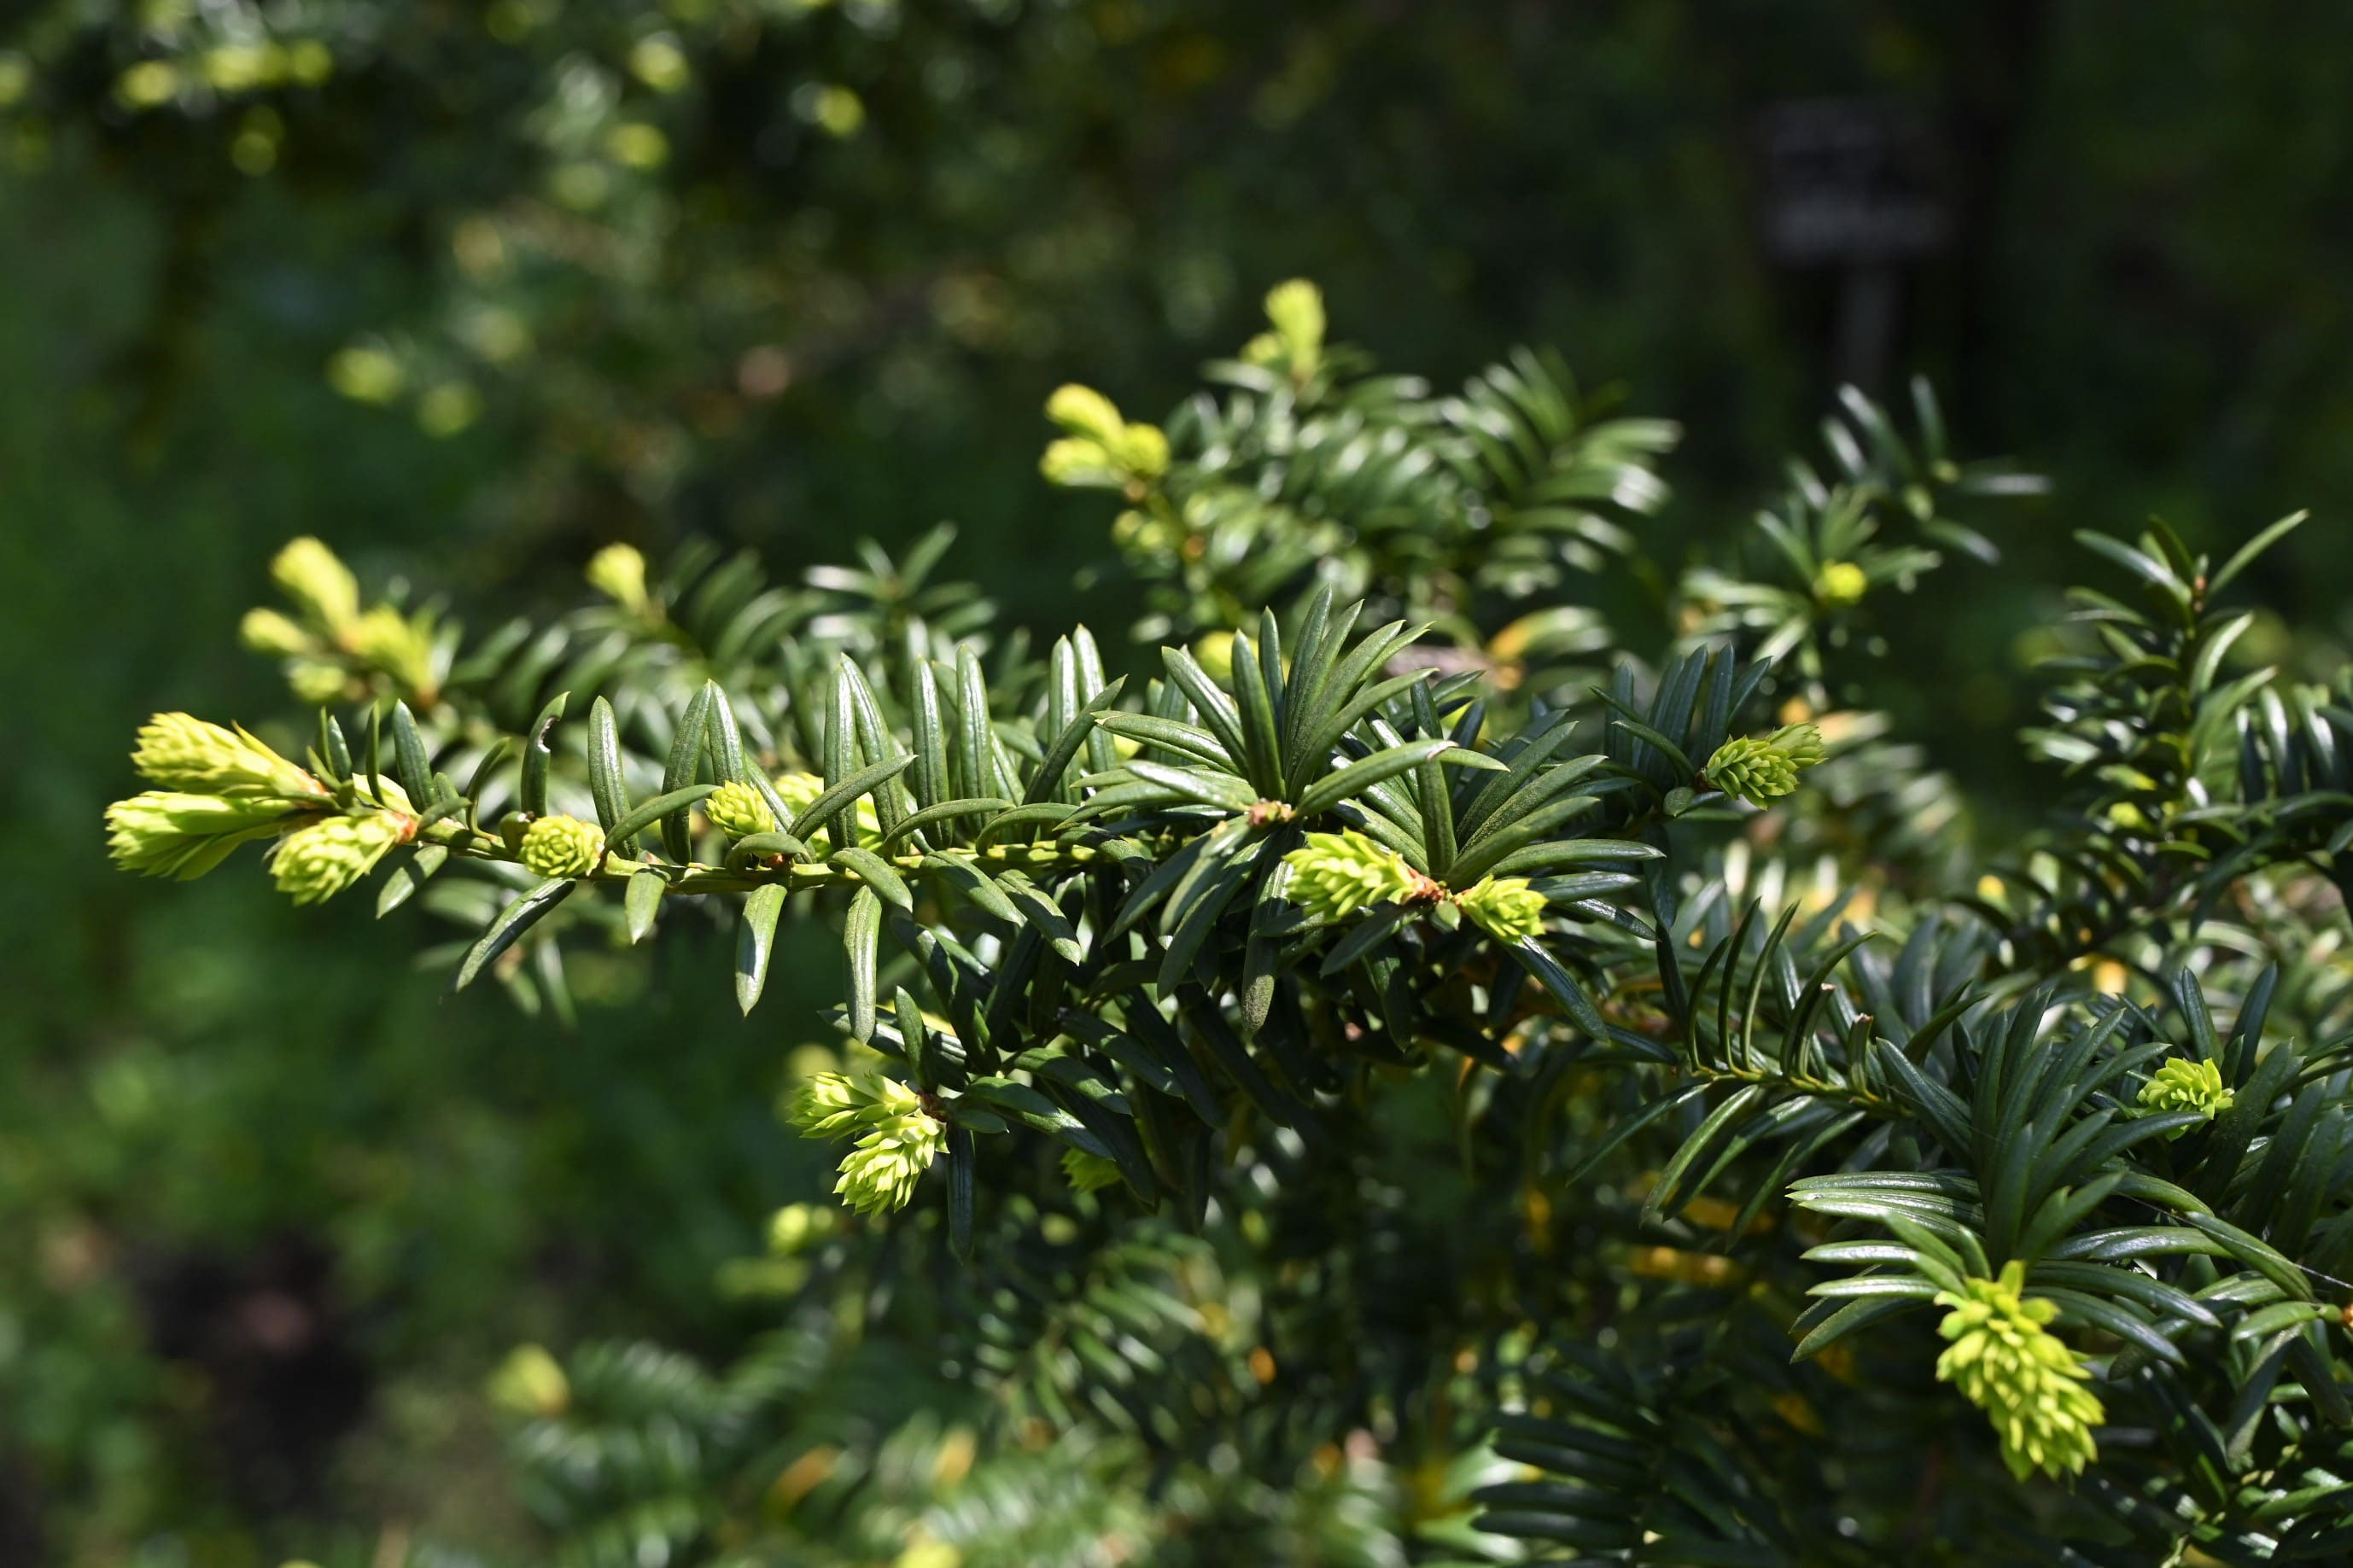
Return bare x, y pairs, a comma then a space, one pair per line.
1417, 1072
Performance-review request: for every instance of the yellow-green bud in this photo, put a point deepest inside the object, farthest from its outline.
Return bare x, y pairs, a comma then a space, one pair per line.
317, 681
879, 1176
1101, 448
618, 572
821, 1105
1136, 531
315, 863
833, 1104
1509, 908
2010, 1366
1762, 768
2181, 1084
739, 811
1802, 744
319, 583
561, 847
182, 752
1142, 452
268, 631
1334, 875
900, 1140
1840, 583
798, 791
163, 833
1296, 309
1088, 1173
399, 646
1076, 461
530, 1382
1082, 411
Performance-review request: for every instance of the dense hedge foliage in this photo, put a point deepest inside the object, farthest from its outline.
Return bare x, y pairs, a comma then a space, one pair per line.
1522, 1077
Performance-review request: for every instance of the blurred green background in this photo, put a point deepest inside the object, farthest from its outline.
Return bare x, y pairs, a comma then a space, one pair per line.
468, 291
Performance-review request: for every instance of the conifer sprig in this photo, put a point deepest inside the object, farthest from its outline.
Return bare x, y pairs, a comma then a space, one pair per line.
1404, 957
